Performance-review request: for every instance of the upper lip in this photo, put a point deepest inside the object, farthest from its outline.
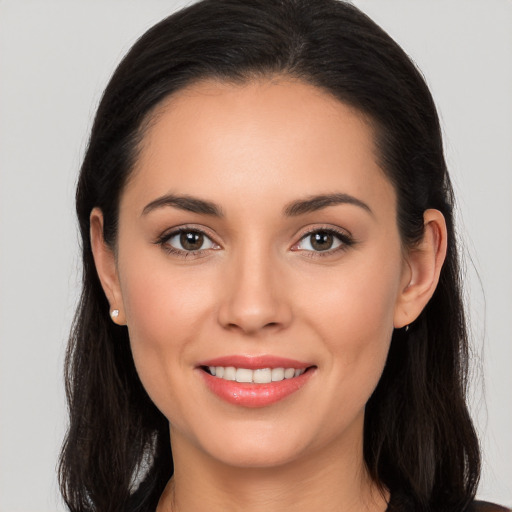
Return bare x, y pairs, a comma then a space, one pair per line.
255, 362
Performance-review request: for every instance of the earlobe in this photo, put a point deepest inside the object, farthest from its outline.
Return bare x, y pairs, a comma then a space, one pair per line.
424, 262
104, 259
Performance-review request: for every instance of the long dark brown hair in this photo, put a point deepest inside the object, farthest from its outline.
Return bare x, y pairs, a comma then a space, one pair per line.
419, 441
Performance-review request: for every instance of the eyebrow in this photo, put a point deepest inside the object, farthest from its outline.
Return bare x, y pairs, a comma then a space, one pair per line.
187, 203
314, 203
293, 209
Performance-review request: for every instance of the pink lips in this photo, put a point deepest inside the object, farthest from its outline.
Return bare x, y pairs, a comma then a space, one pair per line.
251, 394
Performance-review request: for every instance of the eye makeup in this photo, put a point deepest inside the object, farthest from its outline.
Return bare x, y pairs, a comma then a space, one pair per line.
317, 242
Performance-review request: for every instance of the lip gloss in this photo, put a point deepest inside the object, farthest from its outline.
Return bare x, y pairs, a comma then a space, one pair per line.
250, 394
254, 395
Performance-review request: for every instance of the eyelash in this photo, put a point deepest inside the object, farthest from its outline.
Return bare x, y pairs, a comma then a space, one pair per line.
164, 239
346, 242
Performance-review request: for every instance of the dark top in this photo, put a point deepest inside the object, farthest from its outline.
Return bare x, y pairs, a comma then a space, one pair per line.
485, 506
400, 503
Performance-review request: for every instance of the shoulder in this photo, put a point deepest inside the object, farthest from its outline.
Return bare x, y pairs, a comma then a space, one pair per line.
485, 506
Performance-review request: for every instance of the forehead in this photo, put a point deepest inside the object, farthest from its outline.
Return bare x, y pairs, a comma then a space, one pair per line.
269, 138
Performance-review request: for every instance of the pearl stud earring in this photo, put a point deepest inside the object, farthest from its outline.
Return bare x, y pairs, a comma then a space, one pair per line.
114, 313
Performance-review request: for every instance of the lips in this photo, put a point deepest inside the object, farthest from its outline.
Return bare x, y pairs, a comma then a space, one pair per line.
254, 381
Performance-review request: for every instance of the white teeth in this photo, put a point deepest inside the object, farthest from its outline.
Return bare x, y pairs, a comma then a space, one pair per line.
289, 373
263, 376
258, 376
229, 373
243, 375
277, 374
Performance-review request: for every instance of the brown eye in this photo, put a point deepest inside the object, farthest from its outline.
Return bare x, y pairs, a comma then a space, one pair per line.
321, 241
188, 241
191, 240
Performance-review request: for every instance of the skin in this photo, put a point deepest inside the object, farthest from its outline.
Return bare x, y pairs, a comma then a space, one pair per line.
260, 289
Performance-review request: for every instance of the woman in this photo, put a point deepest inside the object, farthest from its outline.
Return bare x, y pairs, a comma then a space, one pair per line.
271, 315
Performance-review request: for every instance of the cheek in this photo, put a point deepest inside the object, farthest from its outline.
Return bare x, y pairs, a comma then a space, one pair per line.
165, 311
162, 299
359, 299
353, 313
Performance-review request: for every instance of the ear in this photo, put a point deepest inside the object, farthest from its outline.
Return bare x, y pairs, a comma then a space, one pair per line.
105, 261
424, 262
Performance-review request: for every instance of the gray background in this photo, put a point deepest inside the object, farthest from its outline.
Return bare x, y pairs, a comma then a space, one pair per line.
55, 59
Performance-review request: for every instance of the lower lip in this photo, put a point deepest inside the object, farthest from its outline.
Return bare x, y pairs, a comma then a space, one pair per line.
255, 395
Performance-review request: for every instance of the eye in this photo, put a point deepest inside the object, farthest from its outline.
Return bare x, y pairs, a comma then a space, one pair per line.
187, 241
323, 240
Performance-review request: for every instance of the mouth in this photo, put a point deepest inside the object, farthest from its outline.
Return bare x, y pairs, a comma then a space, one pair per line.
256, 376
255, 382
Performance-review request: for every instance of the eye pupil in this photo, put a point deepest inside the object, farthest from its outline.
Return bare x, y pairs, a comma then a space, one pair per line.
191, 241
322, 241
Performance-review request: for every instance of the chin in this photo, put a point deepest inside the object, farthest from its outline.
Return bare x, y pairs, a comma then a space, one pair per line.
257, 456
250, 446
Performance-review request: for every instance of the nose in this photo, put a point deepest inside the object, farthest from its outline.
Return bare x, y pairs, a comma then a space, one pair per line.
255, 298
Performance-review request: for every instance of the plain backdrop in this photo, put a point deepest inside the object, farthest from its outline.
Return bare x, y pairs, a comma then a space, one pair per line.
55, 59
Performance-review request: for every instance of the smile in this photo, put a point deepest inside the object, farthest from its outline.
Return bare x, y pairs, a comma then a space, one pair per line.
257, 376
255, 381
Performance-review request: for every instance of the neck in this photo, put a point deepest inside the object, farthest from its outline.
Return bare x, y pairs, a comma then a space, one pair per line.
333, 481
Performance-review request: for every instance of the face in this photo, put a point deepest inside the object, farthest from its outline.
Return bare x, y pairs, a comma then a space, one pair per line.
258, 241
